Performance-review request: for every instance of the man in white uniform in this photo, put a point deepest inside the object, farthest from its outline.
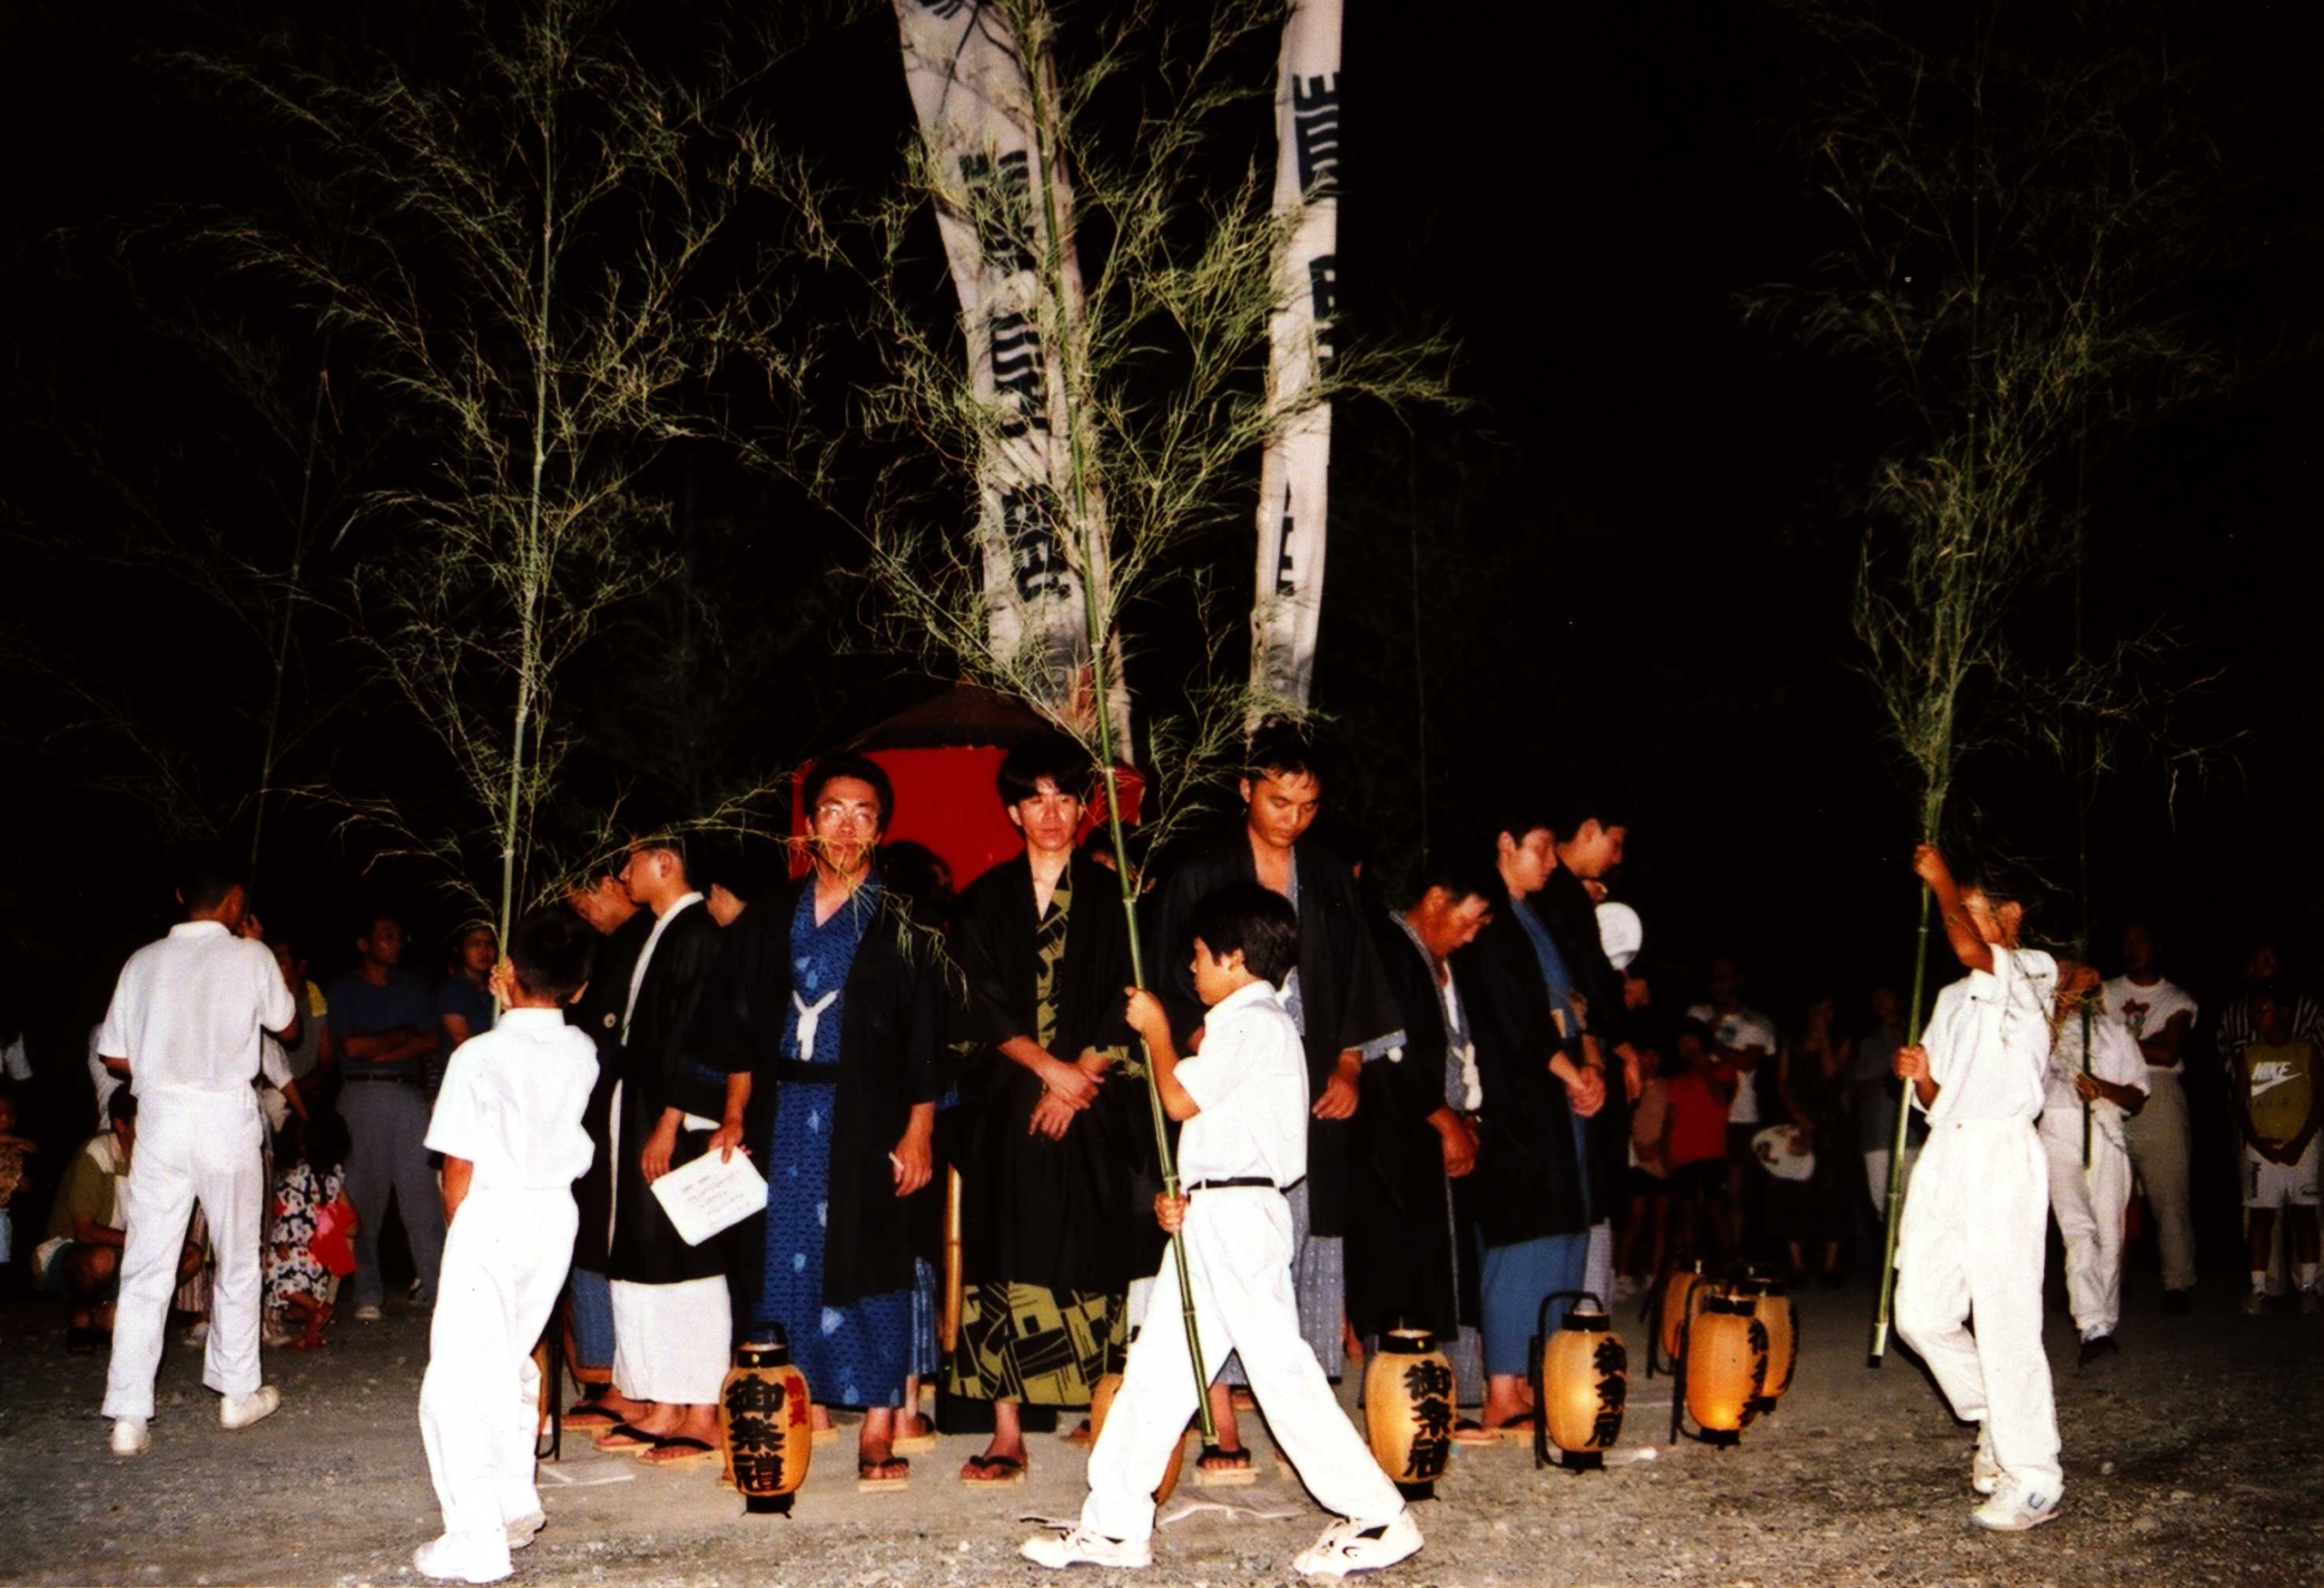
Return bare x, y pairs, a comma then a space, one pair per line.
1974, 1226
2159, 1016
184, 1025
2087, 1101
1244, 1106
508, 1123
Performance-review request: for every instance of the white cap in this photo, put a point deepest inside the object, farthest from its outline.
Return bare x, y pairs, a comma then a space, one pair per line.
1621, 932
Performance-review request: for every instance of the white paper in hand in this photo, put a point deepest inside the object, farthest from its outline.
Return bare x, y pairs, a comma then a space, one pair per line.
707, 1196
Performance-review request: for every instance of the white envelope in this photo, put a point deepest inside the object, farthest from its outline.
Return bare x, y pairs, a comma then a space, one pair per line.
707, 1196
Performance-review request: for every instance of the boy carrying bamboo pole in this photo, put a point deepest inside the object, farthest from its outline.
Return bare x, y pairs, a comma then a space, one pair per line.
1974, 1226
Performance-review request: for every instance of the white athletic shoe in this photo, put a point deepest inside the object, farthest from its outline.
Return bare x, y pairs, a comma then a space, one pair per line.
368, 1313
1081, 1547
2015, 1510
240, 1411
521, 1530
1985, 1472
1351, 1547
129, 1436
467, 1558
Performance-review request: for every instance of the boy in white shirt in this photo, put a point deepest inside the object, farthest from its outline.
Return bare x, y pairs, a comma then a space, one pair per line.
508, 1123
1244, 1106
1971, 1238
2089, 1200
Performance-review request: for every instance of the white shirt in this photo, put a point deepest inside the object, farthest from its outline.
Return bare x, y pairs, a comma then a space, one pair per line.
2143, 1012
1461, 1048
1250, 1081
645, 957
512, 1101
2114, 1057
188, 1010
1748, 1031
1989, 1041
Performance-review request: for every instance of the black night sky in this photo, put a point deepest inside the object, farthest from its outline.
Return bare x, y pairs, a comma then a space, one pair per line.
1640, 555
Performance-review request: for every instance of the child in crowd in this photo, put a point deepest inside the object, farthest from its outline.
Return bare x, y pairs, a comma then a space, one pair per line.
1975, 1225
307, 1246
508, 1123
1649, 1177
1694, 1142
2088, 1095
1244, 1106
2277, 1104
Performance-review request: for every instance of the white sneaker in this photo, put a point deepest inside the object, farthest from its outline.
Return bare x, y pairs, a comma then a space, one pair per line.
129, 1436
368, 1313
1985, 1472
1081, 1547
2015, 1510
240, 1411
1351, 1547
521, 1530
465, 1559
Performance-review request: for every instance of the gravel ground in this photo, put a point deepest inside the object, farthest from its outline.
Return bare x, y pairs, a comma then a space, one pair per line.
2194, 1460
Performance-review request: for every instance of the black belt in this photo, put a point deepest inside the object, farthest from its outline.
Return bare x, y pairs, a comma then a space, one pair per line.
799, 1071
359, 1078
1239, 1183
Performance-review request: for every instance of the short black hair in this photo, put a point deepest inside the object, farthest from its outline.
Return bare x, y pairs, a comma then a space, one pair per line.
1567, 813
324, 1140
1048, 758
1282, 748
121, 1107
1253, 918
1460, 870
848, 764
2003, 882
206, 875
552, 950
671, 839
367, 921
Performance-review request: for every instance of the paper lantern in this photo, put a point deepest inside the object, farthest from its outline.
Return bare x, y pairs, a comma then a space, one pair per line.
1581, 1384
1101, 1401
1408, 1410
1724, 1358
764, 1425
1779, 1311
1683, 1295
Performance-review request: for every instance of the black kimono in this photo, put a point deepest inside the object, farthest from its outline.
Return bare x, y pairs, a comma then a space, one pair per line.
1044, 1253
599, 1013
1565, 907
660, 1069
1526, 1184
1343, 1003
1403, 1262
890, 1027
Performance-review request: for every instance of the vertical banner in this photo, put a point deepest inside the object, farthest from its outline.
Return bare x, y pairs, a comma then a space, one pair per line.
1293, 473
995, 194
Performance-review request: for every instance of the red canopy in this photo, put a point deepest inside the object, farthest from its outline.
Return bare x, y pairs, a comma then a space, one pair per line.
941, 756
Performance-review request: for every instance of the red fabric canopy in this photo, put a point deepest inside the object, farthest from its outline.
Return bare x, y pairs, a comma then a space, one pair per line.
941, 756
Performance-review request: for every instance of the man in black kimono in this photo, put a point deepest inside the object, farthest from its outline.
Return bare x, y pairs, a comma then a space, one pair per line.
1414, 1138
1055, 1118
1345, 1015
1590, 834
621, 927
673, 1327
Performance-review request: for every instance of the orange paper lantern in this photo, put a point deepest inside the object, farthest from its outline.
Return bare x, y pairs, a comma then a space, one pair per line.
1779, 1311
764, 1424
1724, 1355
1582, 1388
1683, 1293
1408, 1410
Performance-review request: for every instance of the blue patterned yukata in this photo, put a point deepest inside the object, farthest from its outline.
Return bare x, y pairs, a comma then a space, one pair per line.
856, 1354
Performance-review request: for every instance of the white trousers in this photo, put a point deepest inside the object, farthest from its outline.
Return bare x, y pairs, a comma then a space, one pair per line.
1972, 1240
2157, 1137
2088, 1204
505, 1259
192, 1147
1238, 1257
672, 1342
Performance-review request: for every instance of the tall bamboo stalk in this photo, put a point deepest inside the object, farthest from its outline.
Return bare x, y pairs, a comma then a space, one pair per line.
1094, 603
1897, 1148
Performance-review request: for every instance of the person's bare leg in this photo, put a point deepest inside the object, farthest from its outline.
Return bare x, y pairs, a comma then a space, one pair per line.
909, 1424
622, 1405
875, 1455
2261, 1237
1507, 1396
1007, 1439
1230, 1432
